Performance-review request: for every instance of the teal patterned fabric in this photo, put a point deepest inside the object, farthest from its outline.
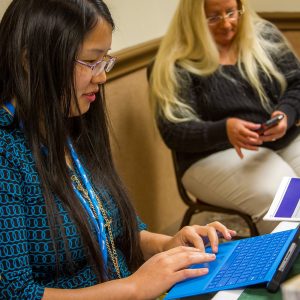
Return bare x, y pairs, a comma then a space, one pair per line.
27, 258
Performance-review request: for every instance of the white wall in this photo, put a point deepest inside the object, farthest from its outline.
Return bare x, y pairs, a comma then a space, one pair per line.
138, 21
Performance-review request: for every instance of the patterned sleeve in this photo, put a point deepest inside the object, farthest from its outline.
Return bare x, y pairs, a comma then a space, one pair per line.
16, 279
141, 224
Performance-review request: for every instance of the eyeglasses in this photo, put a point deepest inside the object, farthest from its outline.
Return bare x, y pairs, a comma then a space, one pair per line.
104, 64
231, 16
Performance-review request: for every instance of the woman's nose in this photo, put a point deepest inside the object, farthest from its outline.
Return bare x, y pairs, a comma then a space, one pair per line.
225, 22
100, 78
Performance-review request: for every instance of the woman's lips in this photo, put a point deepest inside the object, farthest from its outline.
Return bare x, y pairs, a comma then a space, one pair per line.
90, 97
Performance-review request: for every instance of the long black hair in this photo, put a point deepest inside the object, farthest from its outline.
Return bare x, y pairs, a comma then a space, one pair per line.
39, 41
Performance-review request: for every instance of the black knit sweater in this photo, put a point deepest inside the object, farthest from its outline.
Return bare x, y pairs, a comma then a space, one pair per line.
217, 97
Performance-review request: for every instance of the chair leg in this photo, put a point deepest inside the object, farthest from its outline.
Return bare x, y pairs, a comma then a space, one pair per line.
251, 225
188, 215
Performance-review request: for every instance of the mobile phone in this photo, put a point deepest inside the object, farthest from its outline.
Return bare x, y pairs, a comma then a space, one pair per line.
270, 123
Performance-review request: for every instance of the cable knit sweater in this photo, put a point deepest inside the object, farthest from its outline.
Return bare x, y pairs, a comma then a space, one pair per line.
217, 97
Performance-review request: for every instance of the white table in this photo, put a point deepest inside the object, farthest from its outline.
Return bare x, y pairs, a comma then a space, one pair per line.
234, 294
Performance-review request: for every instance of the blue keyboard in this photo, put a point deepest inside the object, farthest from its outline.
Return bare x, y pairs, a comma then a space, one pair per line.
250, 261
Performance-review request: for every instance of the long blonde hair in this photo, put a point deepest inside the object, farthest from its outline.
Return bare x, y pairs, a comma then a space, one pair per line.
189, 44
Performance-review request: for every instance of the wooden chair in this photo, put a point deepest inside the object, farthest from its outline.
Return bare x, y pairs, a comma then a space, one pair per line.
197, 205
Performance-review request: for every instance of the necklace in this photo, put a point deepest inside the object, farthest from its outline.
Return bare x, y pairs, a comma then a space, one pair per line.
110, 244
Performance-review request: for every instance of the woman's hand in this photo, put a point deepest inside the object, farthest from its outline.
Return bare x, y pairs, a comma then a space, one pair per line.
198, 236
241, 134
163, 270
276, 132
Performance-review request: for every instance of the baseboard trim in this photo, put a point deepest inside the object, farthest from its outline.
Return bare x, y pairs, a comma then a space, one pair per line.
137, 57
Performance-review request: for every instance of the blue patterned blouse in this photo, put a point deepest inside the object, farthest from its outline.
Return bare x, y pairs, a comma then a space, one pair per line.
27, 258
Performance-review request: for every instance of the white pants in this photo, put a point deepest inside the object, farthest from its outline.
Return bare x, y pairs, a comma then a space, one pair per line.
247, 184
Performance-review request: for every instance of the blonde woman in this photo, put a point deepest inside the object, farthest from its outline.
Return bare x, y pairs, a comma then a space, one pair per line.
221, 71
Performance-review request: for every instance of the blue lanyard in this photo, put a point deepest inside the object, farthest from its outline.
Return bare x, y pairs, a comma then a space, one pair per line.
98, 219
10, 108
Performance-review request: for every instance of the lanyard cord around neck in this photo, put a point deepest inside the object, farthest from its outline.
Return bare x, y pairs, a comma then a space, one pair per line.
98, 220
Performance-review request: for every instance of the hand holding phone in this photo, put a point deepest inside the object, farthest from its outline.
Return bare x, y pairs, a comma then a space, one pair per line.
270, 123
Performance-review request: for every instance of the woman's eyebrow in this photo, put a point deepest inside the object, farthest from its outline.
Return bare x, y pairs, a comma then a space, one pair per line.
98, 51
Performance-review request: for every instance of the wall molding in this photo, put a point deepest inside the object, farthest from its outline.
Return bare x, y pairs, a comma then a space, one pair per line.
134, 58
137, 57
285, 21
